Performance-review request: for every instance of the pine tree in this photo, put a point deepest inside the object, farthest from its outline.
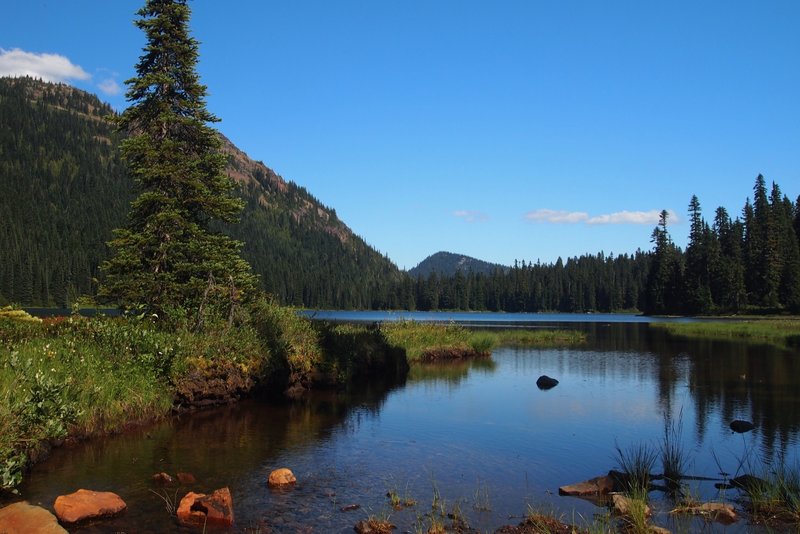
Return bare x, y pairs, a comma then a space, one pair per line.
696, 279
167, 260
663, 281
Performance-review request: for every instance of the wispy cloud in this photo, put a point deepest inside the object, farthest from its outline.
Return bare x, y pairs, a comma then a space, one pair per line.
109, 86
48, 67
471, 216
556, 216
619, 217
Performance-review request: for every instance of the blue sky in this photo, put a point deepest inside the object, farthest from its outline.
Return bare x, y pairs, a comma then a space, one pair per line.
503, 130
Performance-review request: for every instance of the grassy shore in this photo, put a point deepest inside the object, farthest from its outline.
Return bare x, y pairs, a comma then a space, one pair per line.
783, 332
73, 377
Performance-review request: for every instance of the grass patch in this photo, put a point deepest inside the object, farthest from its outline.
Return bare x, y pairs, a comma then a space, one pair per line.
783, 332
423, 340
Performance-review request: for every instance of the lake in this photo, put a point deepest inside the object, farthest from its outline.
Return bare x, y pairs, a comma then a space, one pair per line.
481, 436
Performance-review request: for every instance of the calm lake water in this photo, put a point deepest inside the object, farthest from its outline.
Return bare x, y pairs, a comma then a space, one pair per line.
480, 434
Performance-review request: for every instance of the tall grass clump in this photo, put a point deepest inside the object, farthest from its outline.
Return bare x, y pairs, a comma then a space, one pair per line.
775, 495
636, 463
673, 453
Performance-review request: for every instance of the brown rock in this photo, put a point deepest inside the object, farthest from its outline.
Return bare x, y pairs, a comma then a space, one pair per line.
164, 479
374, 526
87, 504
186, 479
198, 509
536, 524
724, 513
23, 518
601, 485
281, 477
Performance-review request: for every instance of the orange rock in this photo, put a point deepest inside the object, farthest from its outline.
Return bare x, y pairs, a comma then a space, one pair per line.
198, 509
281, 477
86, 504
23, 518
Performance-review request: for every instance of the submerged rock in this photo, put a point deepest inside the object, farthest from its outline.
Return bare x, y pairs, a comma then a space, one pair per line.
544, 382
186, 479
199, 509
601, 485
724, 513
163, 479
374, 526
24, 518
281, 477
740, 427
536, 524
87, 504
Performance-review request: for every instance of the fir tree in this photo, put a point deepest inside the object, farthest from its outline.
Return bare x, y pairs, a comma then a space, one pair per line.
168, 260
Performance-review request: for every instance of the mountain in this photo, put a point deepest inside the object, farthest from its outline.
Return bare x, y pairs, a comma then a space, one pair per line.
447, 264
63, 189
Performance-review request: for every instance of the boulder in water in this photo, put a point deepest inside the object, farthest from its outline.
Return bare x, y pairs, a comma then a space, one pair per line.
544, 382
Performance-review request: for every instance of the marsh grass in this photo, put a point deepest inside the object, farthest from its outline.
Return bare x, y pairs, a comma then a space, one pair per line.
774, 495
636, 463
781, 332
417, 338
674, 458
636, 520
171, 502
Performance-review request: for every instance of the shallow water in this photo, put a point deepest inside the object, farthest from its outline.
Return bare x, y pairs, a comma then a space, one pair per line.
481, 435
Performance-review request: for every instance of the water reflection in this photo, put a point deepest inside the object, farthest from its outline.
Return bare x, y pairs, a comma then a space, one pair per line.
459, 427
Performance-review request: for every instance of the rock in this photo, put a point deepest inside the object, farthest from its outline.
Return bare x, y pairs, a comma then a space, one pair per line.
624, 505
544, 382
740, 427
199, 509
349, 507
87, 504
374, 526
601, 485
186, 479
281, 477
536, 524
163, 479
24, 518
724, 513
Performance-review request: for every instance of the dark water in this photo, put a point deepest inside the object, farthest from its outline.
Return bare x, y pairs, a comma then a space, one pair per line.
480, 434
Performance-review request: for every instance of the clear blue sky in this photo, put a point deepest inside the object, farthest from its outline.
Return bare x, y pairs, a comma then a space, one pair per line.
499, 129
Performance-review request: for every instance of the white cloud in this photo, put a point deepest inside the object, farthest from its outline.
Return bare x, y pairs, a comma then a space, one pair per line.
471, 216
619, 217
555, 216
48, 67
109, 86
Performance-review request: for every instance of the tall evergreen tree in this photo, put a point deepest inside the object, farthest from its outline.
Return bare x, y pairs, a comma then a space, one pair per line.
168, 260
663, 281
696, 276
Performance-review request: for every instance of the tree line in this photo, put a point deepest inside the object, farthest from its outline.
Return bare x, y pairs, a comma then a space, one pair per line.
63, 188
750, 263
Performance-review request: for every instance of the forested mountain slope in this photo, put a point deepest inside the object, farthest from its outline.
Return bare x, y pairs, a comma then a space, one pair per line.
63, 189
448, 264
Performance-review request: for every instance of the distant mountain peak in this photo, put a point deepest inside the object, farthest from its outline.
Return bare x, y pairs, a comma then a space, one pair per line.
448, 264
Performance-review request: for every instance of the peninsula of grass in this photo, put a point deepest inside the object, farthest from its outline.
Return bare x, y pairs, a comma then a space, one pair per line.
435, 341
782, 332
